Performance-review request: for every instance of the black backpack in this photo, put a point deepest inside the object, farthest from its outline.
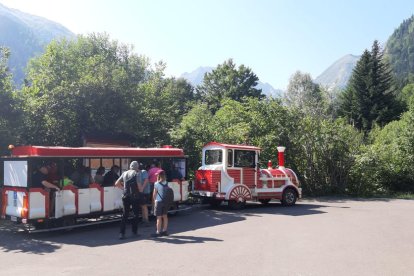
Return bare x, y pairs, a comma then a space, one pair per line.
168, 198
131, 188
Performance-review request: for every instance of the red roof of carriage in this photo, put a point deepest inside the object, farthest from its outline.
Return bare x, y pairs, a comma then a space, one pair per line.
229, 146
38, 151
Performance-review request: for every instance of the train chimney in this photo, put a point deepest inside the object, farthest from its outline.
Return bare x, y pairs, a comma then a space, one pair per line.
269, 165
281, 157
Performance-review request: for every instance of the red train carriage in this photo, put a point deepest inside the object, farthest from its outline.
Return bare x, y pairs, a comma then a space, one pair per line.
230, 173
21, 202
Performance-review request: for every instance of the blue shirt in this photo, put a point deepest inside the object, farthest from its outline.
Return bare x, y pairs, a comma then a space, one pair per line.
160, 190
144, 175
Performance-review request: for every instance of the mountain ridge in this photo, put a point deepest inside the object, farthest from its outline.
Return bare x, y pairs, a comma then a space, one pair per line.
337, 75
26, 36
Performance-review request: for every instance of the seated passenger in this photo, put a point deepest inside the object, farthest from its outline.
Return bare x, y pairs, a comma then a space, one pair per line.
175, 174
66, 181
76, 176
53, 175
111, 177
99, 176
39, 179
86, 178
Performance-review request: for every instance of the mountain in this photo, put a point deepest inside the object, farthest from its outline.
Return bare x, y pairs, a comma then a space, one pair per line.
338, 74
196, 77
399, 52
26, 36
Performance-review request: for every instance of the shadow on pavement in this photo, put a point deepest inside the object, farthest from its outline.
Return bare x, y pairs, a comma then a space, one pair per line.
13, 240
338, 199
198, 217
177, 239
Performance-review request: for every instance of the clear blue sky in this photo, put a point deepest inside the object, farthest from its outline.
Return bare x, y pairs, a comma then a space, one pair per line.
274, 38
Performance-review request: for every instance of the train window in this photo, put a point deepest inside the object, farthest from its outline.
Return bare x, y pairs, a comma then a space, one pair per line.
15, 173
244, 159
107, 163
213, 157
229, 158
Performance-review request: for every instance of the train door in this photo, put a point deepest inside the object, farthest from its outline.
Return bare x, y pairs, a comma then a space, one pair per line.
244, 169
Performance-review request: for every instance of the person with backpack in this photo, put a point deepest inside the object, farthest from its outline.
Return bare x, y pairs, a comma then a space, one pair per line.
130, 181
163, 197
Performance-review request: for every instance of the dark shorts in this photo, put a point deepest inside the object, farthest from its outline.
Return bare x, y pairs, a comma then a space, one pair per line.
160, 209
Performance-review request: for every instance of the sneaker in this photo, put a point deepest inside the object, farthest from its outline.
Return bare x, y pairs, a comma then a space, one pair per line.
156, 235
121, 236
164, 233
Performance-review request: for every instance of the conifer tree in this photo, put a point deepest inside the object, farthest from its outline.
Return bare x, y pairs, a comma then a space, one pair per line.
369, 97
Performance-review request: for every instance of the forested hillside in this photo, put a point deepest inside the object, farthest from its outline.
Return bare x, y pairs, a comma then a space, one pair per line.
400, 52
361, 143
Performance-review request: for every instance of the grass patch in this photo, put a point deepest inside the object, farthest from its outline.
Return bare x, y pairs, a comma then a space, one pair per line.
403, 195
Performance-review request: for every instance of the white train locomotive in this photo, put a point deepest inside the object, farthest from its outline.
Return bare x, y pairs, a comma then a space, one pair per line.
230, 173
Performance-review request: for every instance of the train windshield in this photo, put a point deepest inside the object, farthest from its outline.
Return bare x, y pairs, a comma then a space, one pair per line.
214, 157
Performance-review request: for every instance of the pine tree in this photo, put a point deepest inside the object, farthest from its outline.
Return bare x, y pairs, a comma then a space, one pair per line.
369, 97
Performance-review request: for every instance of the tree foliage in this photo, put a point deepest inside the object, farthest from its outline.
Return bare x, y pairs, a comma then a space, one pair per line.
227, 81
369, 98
386, 164
305, 95
9, 111
95, 84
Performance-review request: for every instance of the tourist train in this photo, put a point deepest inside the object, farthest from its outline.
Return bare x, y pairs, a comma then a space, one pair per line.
229, 174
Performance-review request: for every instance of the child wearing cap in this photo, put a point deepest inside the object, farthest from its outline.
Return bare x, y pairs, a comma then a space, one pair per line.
160, 209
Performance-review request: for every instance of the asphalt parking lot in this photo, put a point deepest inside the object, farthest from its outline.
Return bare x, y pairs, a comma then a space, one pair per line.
315, 237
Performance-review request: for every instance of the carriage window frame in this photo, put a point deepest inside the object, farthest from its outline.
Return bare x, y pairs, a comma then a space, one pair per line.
209, 158
241, 158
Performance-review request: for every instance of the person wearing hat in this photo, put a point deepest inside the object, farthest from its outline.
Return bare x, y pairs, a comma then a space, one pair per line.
160, 208
130, 182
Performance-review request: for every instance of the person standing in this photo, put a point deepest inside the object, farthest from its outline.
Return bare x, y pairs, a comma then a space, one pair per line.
129, 181
160, 208
153, 173
146, 190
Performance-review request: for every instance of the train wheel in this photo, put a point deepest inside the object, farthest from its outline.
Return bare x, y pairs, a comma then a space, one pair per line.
264, 201
238, 197
237, 205
289, 197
